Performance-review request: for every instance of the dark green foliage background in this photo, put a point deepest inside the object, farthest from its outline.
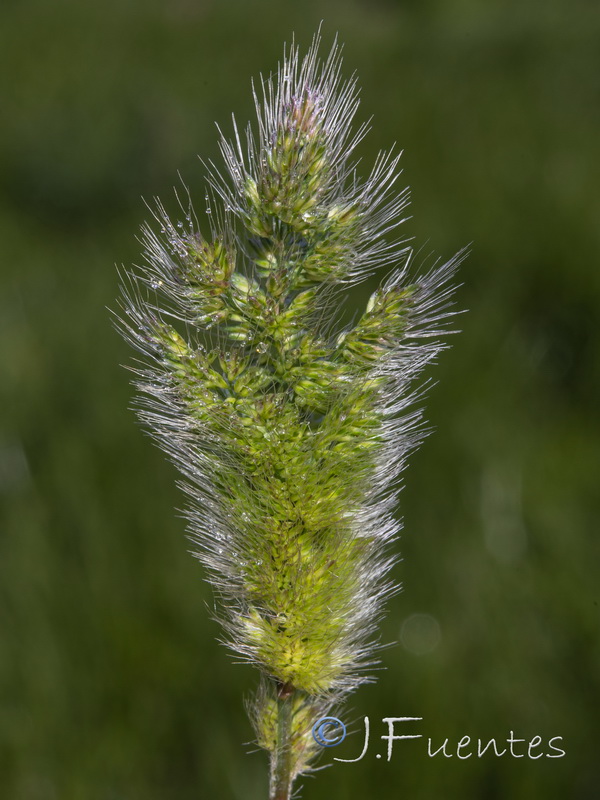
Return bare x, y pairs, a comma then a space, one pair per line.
112, 684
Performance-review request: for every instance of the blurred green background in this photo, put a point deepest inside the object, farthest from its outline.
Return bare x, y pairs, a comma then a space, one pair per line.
112, 683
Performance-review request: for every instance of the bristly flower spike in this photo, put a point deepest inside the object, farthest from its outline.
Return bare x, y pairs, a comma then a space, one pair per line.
290, 435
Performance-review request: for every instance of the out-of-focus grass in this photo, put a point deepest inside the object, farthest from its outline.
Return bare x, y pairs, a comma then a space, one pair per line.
111, 682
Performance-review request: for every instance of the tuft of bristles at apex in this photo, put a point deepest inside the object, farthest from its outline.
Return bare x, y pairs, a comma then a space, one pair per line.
290, 435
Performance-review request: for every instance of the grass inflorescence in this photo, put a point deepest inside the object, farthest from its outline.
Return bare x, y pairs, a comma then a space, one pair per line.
290, 431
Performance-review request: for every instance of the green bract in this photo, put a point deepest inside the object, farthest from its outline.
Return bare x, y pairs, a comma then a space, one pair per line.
291, 434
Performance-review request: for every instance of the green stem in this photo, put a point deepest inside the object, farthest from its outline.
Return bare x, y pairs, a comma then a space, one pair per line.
281, 759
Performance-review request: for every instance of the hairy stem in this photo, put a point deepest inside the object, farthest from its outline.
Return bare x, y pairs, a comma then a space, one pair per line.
281, 759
